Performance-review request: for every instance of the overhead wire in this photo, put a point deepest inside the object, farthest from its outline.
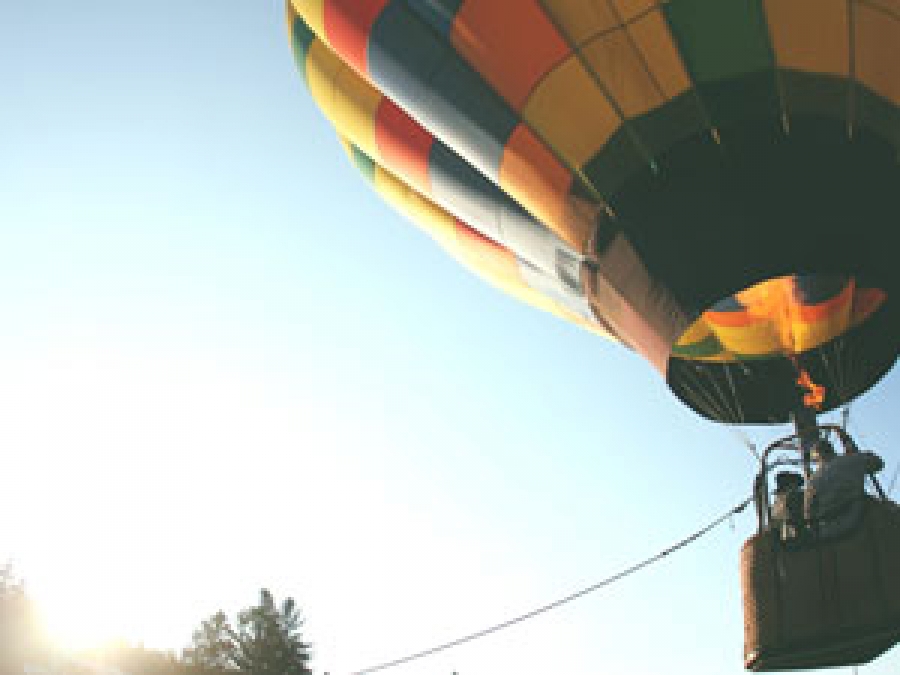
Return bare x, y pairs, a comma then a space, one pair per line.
562, 601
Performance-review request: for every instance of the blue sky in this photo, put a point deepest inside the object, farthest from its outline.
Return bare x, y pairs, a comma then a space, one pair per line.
212, 331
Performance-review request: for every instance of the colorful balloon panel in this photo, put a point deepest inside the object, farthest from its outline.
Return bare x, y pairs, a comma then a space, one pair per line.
785, 316
711, 182
483, 256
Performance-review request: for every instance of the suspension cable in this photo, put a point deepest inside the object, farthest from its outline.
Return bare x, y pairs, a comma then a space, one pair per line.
893, 483
562, 601
745, 439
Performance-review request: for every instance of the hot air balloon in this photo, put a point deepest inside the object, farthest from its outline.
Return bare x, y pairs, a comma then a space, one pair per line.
714, 184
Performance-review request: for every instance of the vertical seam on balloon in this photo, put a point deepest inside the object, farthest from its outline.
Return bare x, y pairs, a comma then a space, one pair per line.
770, 48
442, 63
331, 82
576, 171
640, 54
776, 71
408, 189
387, 127
695, 85
879, 8
576, 47
644, 63
358, 155
356, 50
851, 67
624, 122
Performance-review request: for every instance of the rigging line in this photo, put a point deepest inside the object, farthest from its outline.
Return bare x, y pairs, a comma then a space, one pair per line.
860, 435
626, 123
695, 392
737, 432
745, 439
709, 397
845, 416
703, 395
853, 365
723, 396
562, 601
737, 400
848, 366
834, 370
893, 484
832, 358
706, 400
772, 419
699, 396
843, 366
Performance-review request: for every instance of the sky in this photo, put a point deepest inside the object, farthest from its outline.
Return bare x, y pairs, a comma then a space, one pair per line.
226, 364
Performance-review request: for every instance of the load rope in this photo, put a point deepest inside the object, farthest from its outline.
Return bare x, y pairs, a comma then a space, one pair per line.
562, 601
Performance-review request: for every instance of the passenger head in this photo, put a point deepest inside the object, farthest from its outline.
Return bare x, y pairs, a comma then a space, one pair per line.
785, 481
823, 452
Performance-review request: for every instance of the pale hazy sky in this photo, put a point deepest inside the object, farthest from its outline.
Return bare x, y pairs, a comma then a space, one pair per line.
225, 364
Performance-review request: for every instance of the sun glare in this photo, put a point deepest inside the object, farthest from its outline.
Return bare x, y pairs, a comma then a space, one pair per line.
71, 635
73, 621
121, 457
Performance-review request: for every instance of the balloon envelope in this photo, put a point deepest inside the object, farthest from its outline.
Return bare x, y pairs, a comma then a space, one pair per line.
712, 183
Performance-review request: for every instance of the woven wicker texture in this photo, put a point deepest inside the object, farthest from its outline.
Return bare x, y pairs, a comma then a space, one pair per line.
817, 606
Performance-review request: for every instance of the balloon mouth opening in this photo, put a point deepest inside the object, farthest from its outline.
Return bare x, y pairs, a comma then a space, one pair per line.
798, 341
781, 317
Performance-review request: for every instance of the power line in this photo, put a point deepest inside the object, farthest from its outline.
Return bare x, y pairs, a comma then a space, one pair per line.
562, 601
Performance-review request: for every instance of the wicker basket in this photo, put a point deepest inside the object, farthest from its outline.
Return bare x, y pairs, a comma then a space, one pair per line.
826, 603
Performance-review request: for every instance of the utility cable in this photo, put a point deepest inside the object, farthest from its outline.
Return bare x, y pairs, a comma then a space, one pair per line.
562, 601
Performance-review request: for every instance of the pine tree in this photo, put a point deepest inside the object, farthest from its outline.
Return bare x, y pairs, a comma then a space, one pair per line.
265, 641
213, 648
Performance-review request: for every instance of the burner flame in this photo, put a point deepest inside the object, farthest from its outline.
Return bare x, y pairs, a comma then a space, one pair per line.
815, 396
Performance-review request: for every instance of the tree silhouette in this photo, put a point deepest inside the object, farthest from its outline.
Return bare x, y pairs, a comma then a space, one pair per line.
265, 641
212, 649
20, 636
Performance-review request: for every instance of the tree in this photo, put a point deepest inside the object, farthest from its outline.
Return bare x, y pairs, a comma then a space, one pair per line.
265, 641
20, 635
213, 648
